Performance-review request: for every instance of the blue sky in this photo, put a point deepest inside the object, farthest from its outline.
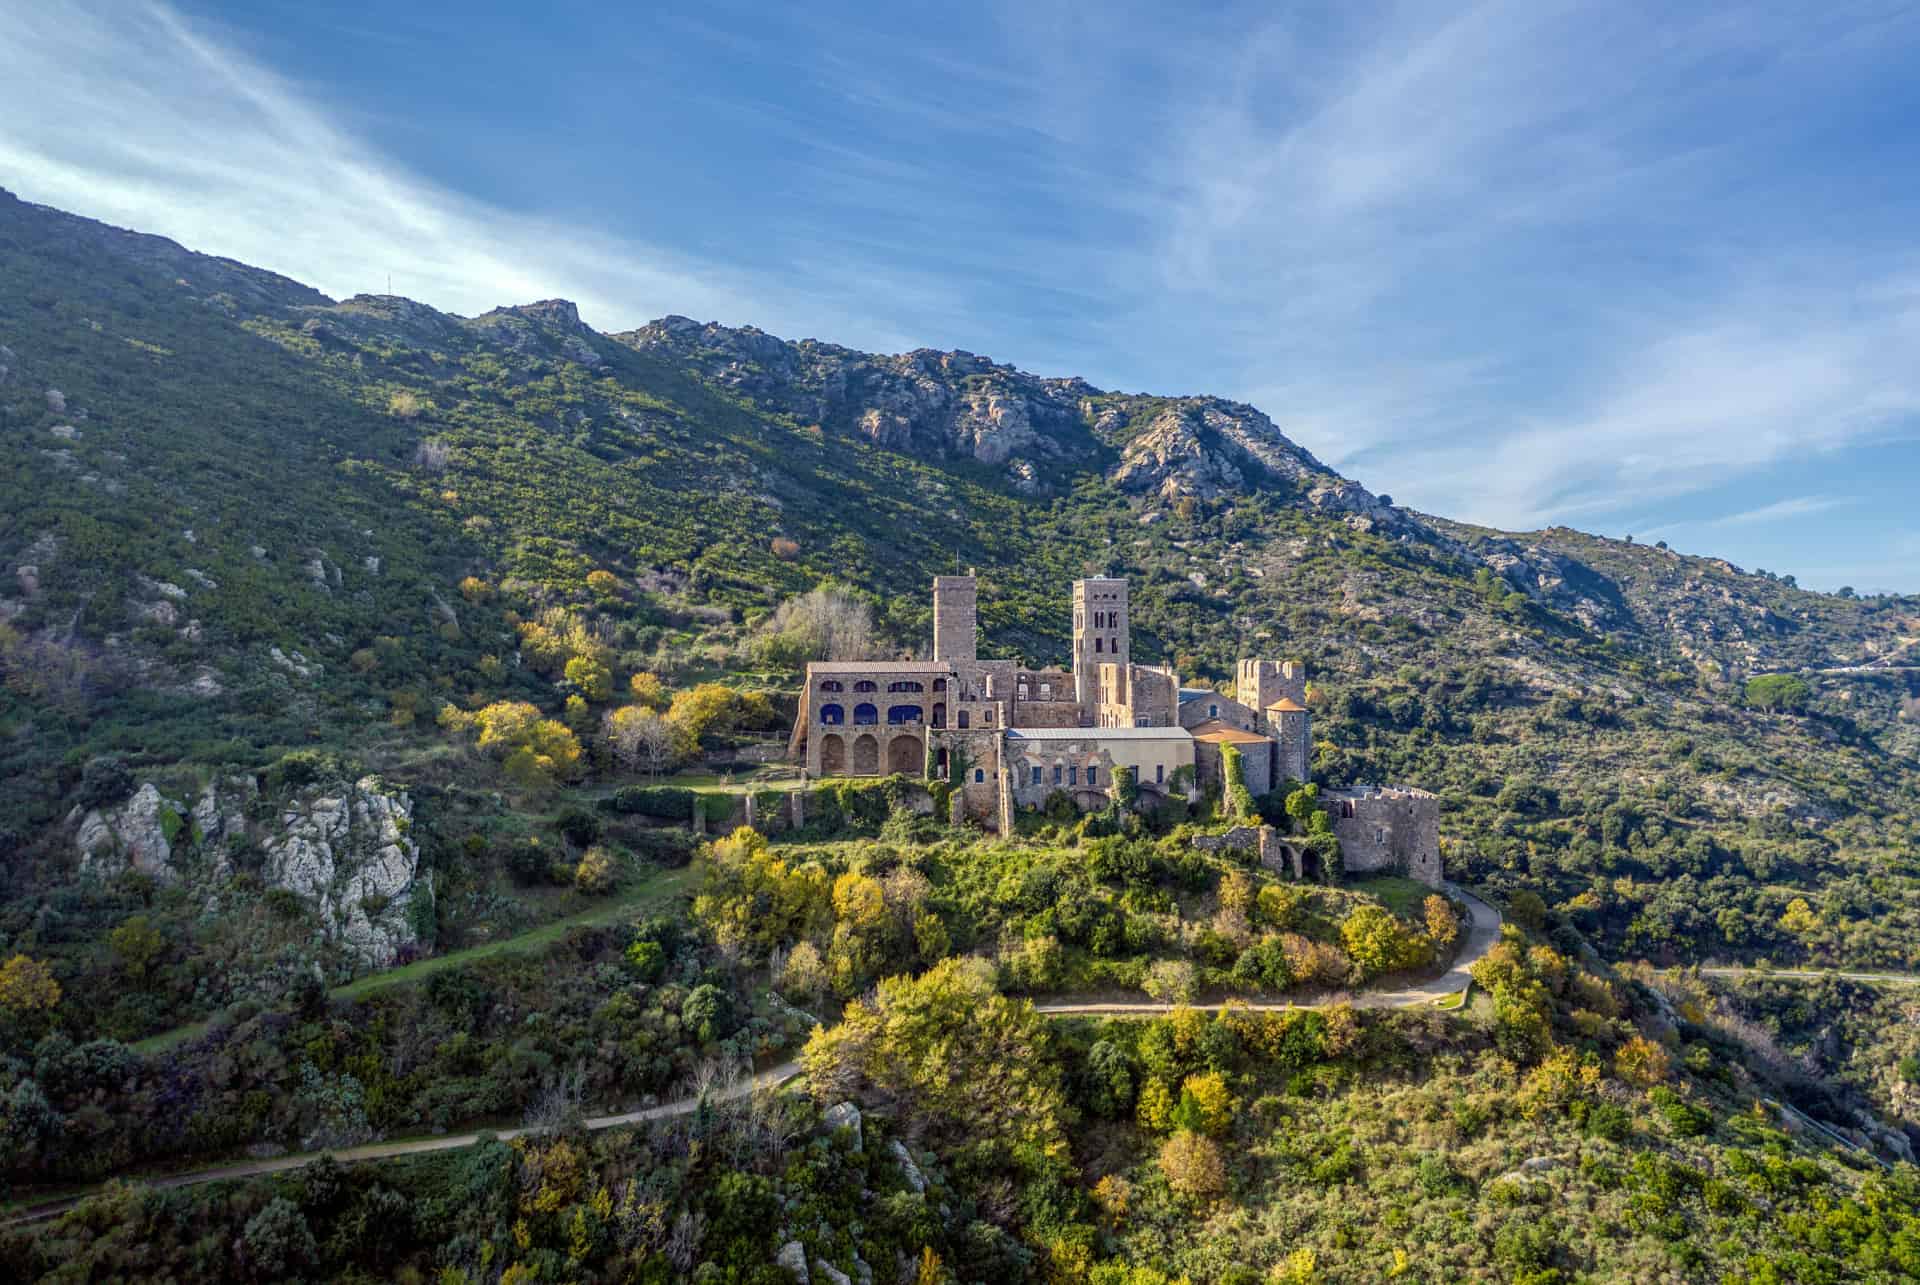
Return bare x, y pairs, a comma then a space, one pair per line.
1632, 267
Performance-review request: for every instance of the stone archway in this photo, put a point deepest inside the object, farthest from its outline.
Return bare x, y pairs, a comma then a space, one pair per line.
1090, 800
906, 756
866, 756
833, 755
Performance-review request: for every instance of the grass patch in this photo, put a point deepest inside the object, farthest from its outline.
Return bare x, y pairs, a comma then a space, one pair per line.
1404, 897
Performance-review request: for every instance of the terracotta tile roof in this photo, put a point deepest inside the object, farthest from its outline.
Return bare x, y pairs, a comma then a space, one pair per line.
1288, 705
1215, 732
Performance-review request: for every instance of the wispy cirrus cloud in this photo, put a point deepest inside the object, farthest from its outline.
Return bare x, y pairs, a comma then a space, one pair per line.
132, 114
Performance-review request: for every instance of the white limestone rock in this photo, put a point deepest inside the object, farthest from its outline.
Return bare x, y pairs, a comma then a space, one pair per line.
793, 1257
908, 1170
220, 816
350, 852
131, 835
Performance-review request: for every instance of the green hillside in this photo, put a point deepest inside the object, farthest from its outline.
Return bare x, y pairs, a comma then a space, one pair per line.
328, 635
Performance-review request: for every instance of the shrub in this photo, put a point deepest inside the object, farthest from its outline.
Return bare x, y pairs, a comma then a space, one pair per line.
666, 802
103, 782
1641, 1062
597, 872
1193, 1166
1778, 692
1172, 981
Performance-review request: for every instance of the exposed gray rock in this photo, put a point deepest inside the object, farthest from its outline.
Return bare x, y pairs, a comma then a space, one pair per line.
6, 363
220, 817
65, 432
908, 1170
793, 1257
345, 848
1170, 459
132, 835
845, 1115
350, 851
294, 662
56, 401
831, 1274
29, 578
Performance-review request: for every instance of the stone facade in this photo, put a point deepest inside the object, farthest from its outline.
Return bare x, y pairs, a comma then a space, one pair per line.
956, 617
1292, 729
1256, 755
1259, 683
1083, 763
1102, 634
871, 718
1387, 829
1200, 705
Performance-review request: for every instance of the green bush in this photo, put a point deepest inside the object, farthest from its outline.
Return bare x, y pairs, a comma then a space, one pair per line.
665, 802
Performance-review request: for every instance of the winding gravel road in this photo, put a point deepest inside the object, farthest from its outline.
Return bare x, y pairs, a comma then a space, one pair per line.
1481, 935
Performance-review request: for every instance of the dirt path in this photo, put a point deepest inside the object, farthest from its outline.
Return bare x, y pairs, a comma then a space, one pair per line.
1814, 974
1482, 933
771, 1078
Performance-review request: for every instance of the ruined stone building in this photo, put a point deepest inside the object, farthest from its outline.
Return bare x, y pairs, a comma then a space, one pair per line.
1012, 736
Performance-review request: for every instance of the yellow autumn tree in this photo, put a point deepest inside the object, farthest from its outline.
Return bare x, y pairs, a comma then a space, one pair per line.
1193, 1166
534, 750
27, 985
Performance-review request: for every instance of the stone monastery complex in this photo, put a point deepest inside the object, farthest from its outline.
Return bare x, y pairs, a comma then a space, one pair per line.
1019, 734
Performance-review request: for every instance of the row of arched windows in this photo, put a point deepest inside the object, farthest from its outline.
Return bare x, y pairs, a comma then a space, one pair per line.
834, 715
868, 685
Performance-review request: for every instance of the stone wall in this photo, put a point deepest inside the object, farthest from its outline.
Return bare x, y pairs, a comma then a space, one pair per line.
1259, 683
1274, 851
1256, 757
1213, 705
1386, 829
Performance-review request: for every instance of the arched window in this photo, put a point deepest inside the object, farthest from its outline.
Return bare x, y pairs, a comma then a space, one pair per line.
903, 713
940, 714
1023, 692
832, 714
866, 685
1091, 773
906, 685
831, 685
1213, 711
864, 713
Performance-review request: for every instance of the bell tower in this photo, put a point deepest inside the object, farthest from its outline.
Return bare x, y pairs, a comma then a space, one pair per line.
1100, 635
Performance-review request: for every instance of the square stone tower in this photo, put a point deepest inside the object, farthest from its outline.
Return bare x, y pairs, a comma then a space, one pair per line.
956, 617
1262, 682
1100, 635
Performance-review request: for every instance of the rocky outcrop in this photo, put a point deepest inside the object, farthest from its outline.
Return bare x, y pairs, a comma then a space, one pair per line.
1171, 460
138, 834
344, 848
350, 852
845, 1115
